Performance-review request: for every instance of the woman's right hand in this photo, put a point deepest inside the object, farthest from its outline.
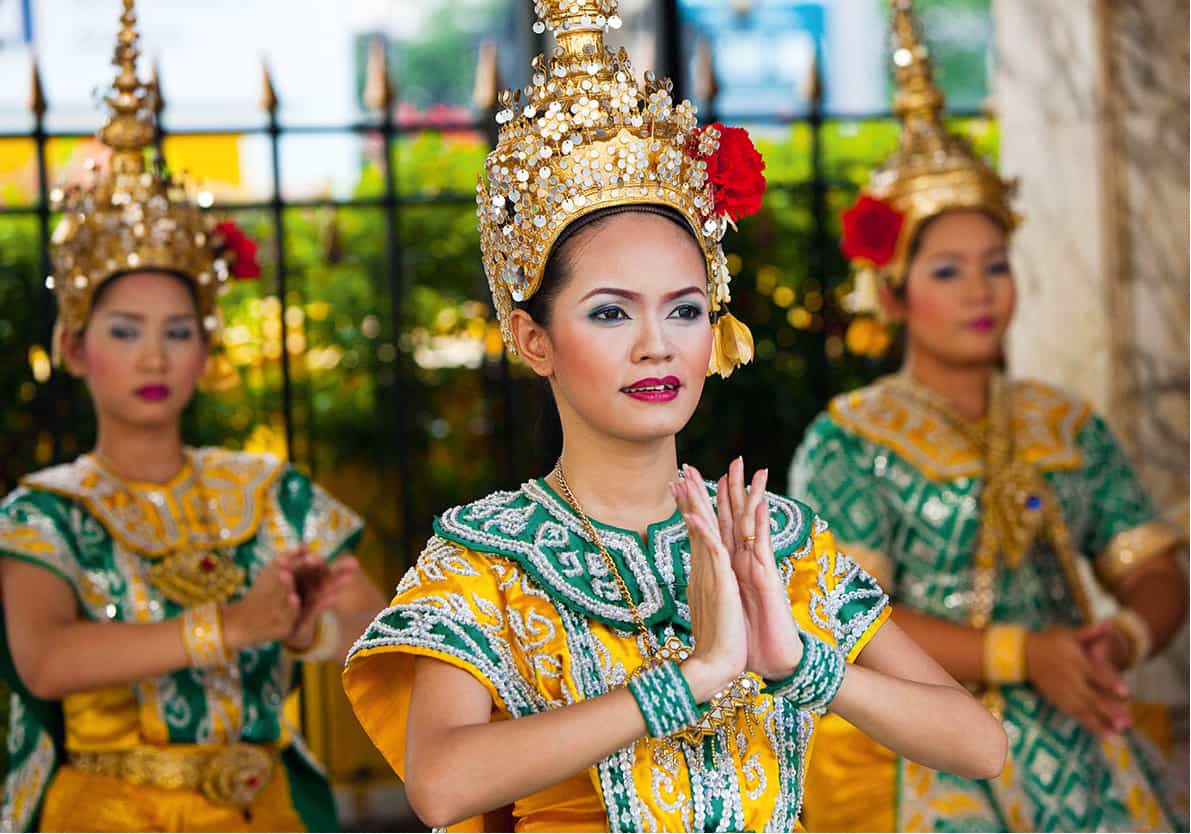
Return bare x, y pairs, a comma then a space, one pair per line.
268, 611
717, 614
1090, 692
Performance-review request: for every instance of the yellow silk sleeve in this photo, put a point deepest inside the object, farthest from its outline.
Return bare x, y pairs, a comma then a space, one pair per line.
832, 596
473, 611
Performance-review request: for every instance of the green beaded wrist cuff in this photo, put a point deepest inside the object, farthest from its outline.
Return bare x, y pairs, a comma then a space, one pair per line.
815, 680
664, 698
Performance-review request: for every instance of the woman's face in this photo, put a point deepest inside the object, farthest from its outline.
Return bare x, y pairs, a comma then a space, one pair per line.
142, 351
629, 337
959, 293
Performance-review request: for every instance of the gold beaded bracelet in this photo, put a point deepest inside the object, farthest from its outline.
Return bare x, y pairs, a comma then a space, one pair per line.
1004, 654
202, 632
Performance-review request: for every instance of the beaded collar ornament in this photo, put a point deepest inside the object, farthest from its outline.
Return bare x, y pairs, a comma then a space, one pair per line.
932, 171
129, 217
585, 136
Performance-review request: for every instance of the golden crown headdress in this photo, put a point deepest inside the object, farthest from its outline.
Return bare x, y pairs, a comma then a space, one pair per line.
584, 136
932, 171
131, 217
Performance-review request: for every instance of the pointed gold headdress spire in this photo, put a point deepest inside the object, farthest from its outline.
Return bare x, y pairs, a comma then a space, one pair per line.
132, 218
932, 171
129, 129
584, 136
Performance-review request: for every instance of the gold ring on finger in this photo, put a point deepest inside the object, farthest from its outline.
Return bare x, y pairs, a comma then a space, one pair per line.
750, 538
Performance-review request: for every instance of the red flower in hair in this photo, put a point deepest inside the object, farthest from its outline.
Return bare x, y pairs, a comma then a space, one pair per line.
735, 173
239, 250
871, 230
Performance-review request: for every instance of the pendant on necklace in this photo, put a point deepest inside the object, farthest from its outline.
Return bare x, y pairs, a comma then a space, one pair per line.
1013, 502
193, 577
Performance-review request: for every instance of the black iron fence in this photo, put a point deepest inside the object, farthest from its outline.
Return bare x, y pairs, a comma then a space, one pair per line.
401, 467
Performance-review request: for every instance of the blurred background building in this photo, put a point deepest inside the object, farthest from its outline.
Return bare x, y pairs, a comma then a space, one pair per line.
347, 138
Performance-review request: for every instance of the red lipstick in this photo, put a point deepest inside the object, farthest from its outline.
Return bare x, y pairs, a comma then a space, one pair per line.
654, 390
982, 325
153, 393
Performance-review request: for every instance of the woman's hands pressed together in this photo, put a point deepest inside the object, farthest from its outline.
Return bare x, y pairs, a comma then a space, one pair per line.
287, 598
268, 610
740, 614
774, 644
320, 586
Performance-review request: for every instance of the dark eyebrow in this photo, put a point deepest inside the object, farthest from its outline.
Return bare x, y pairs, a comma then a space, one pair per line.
635, 296
140, 318
632, 296
999, 249
692, 290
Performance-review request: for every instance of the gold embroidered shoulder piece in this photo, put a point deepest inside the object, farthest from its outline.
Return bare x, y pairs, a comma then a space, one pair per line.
913, 423
217, 500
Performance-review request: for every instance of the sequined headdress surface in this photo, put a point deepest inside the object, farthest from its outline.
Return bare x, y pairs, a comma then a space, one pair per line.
132, 217
932, 171
584, 136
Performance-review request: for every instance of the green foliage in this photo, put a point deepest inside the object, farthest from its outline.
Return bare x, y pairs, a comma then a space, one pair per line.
349, 349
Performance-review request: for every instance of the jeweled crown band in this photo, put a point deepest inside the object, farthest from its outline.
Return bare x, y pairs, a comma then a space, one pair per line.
931, 172
584, 136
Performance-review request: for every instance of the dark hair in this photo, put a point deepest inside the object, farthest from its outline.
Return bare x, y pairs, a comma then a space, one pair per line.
555, 276
557, 271
184, 280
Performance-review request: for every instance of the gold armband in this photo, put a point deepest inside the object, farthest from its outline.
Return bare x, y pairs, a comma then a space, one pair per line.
202, 632
1004, 654
1133, 548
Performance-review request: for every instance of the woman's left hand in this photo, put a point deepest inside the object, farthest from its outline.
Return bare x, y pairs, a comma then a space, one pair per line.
773, 639
319, 586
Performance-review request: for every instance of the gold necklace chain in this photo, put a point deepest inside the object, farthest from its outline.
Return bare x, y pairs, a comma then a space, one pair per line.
599, 543
735, 698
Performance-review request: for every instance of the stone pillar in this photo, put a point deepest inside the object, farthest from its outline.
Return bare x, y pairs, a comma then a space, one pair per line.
1092, 98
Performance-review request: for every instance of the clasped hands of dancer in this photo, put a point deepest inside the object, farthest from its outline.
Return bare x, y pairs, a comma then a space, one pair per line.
1079, 669
740, 613
287, 598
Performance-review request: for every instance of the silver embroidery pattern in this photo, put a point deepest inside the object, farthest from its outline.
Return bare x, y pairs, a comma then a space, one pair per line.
24, 786
555, 551
58, 557
328, 517
850, 584
493, 524
127, 518
754, 774
499, 524
447, 625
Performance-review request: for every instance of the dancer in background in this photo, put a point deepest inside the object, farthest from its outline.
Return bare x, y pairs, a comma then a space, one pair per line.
157, 597
620, 645
974, 497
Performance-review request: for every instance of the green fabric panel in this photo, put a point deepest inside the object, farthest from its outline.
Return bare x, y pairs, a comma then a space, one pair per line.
864, 603
295, 494
310, 792
44, 511
39, 717
1120, 501
832, 471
